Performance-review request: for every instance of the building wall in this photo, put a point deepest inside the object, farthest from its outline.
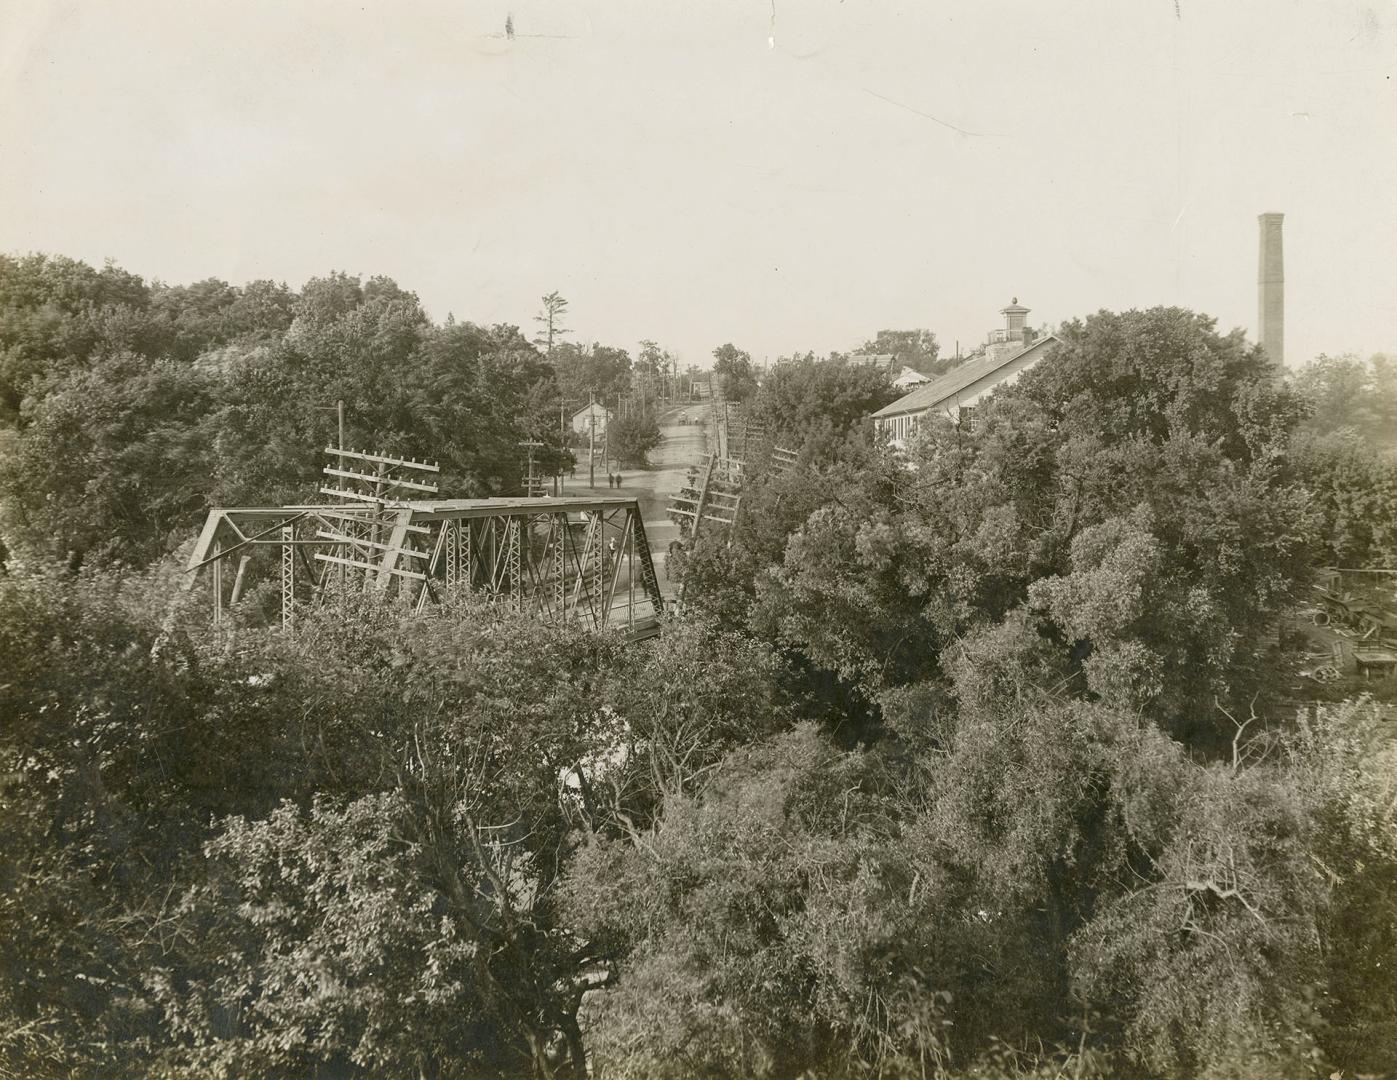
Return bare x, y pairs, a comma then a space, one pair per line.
902, 428
582, 425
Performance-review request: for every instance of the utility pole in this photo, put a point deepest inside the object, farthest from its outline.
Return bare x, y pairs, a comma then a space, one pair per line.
343, 570
562, 444
529, 488
591, 448
606, 444
339, 416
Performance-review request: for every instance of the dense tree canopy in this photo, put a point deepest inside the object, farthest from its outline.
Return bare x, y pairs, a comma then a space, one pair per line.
127, 409
1145, 539
591, 372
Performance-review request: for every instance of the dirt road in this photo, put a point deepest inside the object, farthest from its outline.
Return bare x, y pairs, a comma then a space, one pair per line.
684, 445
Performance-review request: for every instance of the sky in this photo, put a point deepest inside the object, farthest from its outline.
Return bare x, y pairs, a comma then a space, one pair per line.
782, 175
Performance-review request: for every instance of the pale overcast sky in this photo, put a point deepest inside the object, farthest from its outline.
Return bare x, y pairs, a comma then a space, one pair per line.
785, 177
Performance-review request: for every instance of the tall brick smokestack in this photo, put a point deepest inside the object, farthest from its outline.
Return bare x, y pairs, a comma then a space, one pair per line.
1270, 281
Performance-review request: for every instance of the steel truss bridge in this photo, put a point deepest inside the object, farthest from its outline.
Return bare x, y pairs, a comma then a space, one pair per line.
584, 559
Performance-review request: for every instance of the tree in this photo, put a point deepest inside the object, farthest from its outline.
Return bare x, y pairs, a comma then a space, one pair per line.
1009, 867
588, 371
724, 923
1146, 375
1355, 488
350, 865
56, 313
648, 358
1348, 394
550, 321
104, 803
817, 406
487, 389
916, 349
112, 462
249, 376
737, 377
351, 340
354, 861
1097, 458
425, 867
633, 437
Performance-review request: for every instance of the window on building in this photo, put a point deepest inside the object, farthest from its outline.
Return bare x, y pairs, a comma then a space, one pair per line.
969, 418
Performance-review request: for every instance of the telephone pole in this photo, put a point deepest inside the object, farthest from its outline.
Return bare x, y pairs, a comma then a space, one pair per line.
530, 488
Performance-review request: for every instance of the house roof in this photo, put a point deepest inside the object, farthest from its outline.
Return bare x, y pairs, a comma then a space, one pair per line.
910, 375
595, 407
956, 380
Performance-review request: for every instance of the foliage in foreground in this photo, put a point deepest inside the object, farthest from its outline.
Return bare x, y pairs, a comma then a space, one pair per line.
272, 855
391, 845
894, 912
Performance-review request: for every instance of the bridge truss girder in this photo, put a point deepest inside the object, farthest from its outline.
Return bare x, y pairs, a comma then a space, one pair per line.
569, 559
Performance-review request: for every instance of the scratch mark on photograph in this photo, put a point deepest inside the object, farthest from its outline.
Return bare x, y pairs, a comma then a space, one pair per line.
936, 119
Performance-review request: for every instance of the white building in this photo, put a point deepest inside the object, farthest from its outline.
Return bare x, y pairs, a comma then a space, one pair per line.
584, 419
1008, 352
907, 379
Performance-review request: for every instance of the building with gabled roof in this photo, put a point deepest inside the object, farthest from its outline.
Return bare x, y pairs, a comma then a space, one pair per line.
1008, 353
908, 378
589, 418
